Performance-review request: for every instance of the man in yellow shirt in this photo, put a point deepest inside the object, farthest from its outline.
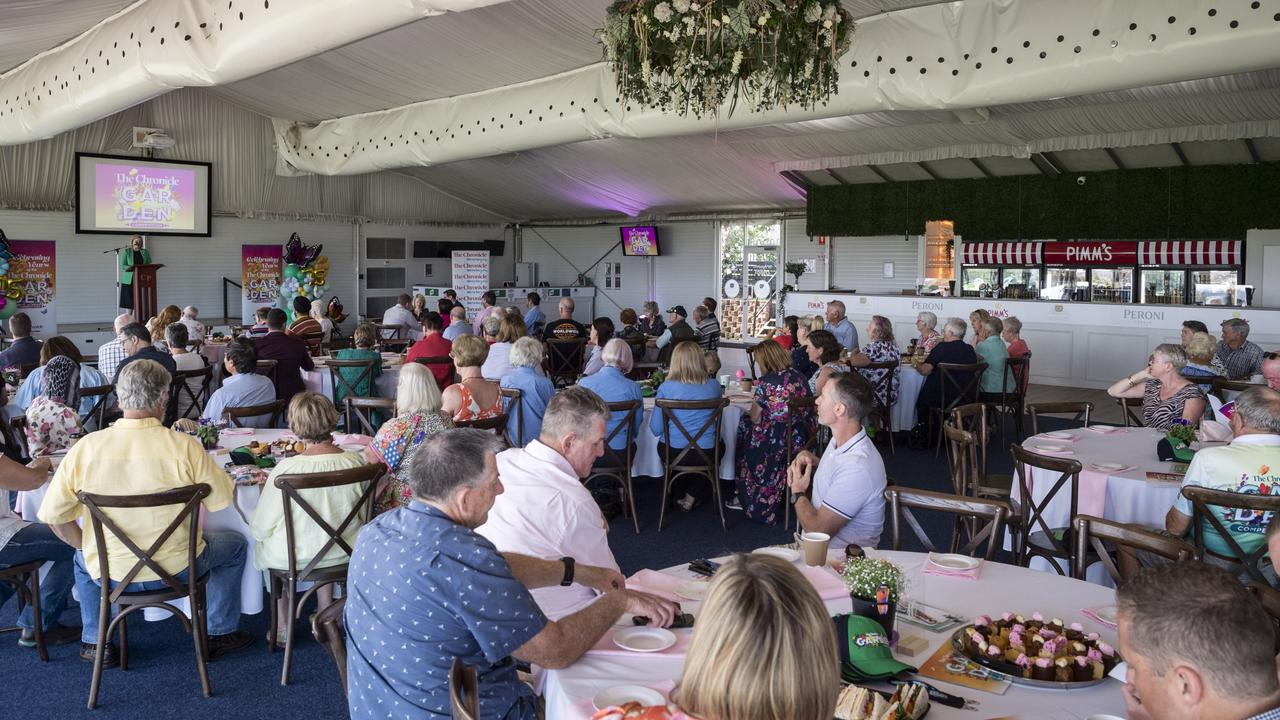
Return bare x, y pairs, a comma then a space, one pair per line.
136, 456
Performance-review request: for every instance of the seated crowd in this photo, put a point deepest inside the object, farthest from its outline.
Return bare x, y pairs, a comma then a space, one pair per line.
505, 549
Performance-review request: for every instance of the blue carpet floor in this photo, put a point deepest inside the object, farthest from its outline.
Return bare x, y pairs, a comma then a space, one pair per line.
161, 681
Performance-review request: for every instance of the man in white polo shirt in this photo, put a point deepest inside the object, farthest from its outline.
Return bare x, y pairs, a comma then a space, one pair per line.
544, 510
848, 483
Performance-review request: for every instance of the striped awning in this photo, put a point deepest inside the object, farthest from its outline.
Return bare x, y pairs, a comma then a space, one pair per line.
1003, 253
1191, 252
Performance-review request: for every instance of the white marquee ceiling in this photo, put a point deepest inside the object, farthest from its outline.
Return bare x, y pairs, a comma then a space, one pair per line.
493, 49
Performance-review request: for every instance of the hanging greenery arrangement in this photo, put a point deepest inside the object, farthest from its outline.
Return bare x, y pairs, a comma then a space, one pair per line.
686, 56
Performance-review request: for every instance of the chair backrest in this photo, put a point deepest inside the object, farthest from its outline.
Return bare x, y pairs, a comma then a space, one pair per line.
514, 406
751, 360
966, 510
1078, 410
274, 408
1269, 598
293, 492
395, 345
954, 391
102, 393
962, 455
1094, 533
331, 632
1209, 507
101, 522
1128, 406
359, 413
196, 399
462, 691
267, 368
389, 332
626, 429
883, 385
710, 426
566, 358
1221, 387
497, 424
314, 341
637, 345
16, 435
1031, 511
975, 418
433, 361
338, 380
1017, 372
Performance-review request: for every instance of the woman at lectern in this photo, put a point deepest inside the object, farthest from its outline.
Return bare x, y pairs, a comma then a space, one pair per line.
135, 254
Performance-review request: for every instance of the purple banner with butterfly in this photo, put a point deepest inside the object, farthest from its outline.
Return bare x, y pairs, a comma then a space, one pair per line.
29, 282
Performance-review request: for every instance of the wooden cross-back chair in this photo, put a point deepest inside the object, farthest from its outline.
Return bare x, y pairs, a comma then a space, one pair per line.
1078, 410
1103, 537
616, 463
1208, 507
1039, 537
884, 413
342, 386
802, 434
360, 413
691, 459
566, 358
274, 409
513, 403
181, 392
101, 395
953, 392
968, 512
331, 632
285, 581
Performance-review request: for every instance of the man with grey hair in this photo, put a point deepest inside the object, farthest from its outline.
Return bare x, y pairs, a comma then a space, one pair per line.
1196, 645
138, 456
1249, 464
848, 482
195, 328
952, 350
840, 326
1243, 359
458, 324
546, 511
425, 588
112, 353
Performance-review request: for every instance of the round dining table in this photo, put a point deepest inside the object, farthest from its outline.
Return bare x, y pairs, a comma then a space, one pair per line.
902, 416
999, 588
648, 463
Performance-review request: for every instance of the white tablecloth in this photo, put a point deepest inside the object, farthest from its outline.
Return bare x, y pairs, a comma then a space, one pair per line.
235, 518
649, 463
1001, 588
903, 413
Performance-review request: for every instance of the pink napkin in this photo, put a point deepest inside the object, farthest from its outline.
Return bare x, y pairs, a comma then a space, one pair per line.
656, 583
236, 431
1042, 451
932, 568
351, 439
583, 709
606, 648
1092, 615
829, 585
1093, 492
1107, 430
1046, 438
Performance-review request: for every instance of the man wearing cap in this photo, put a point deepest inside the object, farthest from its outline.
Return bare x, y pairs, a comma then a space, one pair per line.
677, 332
849, 481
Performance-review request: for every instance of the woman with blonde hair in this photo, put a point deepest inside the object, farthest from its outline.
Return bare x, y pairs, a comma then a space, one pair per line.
419, 307
1201, 351
762, 435
418, 404
651, 323
763, 649
472, 397
687, 380
157, 325
313, 419
1167, 397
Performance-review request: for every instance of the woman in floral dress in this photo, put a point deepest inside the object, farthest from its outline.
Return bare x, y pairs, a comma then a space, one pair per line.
880, 349
52, 418
762, 437
418, 402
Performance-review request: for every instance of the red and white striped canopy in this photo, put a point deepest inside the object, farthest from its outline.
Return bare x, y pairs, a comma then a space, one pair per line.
1192, 252
1003, 253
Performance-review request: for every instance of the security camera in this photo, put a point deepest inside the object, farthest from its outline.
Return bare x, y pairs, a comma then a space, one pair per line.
1080, 180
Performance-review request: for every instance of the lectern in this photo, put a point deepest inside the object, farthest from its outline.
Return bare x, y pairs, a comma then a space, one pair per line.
144, 292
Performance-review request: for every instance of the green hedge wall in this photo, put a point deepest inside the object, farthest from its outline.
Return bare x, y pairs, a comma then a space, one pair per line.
1203, 202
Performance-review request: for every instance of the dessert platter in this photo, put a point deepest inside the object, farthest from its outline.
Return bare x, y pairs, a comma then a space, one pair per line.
1037, 652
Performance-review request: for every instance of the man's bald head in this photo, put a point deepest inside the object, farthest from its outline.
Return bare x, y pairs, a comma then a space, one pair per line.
122, 320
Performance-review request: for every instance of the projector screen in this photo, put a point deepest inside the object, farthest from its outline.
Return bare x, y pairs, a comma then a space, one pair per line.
123, 195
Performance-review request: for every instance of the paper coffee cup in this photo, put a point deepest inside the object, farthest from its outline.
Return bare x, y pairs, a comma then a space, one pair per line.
814, 546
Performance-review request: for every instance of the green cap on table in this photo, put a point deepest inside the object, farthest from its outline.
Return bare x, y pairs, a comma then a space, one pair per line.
865, 647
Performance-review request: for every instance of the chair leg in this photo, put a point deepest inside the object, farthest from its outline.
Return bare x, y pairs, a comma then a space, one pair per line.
291, 598
936, 412
200, 638
714, 477
631, 497
104, 616
666, 490
37, 620
123, 631
888, 429
273, 627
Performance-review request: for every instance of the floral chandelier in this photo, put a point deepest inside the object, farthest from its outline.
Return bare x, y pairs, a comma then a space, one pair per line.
693, 56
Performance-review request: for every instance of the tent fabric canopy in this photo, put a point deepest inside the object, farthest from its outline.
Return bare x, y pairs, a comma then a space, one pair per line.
1208, 90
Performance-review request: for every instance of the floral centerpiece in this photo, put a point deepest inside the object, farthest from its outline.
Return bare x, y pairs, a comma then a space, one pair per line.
875, 586
12, 375
650, 386
694, 56
204, 430
1180, 437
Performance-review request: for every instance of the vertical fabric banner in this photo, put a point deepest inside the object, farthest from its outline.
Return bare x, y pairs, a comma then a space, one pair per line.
470, 278
33, 269
260, 272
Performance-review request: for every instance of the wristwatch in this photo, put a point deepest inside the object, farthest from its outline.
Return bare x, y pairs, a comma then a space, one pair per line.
568, 571
795, 497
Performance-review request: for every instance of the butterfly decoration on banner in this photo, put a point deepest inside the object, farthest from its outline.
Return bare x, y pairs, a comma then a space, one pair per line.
10, 289
306, 273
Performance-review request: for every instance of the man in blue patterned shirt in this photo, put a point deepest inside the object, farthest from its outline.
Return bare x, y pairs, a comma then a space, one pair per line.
424, 588
1197, 644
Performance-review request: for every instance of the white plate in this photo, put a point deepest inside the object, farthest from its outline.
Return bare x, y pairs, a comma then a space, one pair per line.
352, 448
644, 639
1107, 613
621, 694
1110, 467
1058, 434
692, 590
787, 554
1048, 447
952, 561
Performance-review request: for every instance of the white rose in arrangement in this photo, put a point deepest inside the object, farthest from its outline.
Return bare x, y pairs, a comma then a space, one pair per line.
763, 20
680, 5
812, 13
695, 7
825, 23
724, 19
662, 12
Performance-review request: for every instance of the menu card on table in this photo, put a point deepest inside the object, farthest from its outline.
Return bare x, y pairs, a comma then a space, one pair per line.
948, 665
